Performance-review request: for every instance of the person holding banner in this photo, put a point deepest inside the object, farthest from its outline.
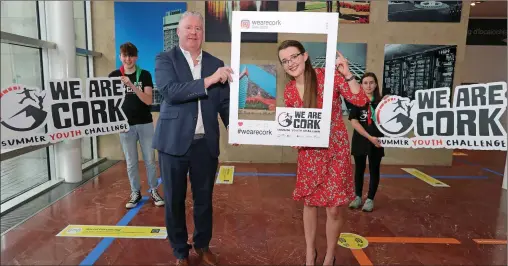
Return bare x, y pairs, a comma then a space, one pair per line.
365, 143
324, 175
136, 106
195, 91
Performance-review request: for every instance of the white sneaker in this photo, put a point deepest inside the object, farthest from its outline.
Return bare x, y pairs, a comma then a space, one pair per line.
157, 199
368, 206
356, 203
135, 198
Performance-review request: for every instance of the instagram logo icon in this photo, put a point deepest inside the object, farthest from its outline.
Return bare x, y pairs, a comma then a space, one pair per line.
245, 24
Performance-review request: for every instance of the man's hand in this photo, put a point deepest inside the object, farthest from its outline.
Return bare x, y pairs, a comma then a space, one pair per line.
222, 75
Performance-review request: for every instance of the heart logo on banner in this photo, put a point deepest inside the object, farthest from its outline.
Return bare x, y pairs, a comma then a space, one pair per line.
240, 123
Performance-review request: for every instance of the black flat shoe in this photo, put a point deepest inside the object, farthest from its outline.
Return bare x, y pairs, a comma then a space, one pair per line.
315, 257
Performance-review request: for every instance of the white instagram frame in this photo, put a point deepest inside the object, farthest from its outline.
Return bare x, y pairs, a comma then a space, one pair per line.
262, 132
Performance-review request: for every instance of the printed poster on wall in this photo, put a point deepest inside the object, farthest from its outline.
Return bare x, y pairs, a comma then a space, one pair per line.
308, 127
486, 31
350, 12
151, 34
219, 17
355, 53
425, 11
31, 116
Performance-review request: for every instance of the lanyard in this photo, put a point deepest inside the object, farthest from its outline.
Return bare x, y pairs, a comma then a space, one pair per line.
138, 72
371, 112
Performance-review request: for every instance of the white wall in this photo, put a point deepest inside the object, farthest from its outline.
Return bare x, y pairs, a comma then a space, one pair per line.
485, 64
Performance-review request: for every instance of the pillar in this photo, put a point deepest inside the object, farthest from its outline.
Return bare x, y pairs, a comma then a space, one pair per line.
62, 65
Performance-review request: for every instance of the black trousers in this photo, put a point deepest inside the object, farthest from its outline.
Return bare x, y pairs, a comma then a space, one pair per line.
202, 169
374, 170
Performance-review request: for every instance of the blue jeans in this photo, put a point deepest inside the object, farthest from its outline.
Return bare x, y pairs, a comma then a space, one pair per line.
129, 140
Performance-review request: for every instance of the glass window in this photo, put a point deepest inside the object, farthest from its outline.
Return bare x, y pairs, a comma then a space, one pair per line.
20, 17
24, 172
82, 73
22, 65
80, 23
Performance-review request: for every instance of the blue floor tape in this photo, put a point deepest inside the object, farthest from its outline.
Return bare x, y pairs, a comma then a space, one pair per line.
483, 168
97, 252
366, 175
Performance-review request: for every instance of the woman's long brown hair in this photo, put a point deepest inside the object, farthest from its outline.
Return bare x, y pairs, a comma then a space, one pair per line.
310, 78
376, 92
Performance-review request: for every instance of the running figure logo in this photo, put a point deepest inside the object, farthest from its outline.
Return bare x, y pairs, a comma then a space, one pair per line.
23, 109
394, 116
285, 119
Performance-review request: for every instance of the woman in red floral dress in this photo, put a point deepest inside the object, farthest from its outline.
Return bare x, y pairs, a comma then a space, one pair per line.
324, 175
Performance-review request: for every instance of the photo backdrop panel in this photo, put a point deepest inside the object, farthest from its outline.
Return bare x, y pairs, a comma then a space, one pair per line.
151, 33
355, 53
218, 18
350, 12
292, 125
412, 67
424, 11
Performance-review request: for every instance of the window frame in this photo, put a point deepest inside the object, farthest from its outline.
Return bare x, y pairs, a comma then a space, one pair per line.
43, 45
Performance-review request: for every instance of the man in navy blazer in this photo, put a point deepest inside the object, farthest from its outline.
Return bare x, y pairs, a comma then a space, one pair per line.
195, 90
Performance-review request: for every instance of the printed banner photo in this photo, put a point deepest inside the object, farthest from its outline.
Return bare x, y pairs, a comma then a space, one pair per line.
309, 127
31, 116
470, 121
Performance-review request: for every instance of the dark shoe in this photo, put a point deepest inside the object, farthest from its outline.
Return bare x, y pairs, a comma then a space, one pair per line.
315, 257
206, 256
182, 262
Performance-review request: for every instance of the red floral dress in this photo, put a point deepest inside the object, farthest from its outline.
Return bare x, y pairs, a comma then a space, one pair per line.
325, 176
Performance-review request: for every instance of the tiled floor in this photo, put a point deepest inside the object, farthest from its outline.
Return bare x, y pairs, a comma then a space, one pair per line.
257, 223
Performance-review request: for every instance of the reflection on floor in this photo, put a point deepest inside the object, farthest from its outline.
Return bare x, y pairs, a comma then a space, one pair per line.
257, 222
15, 216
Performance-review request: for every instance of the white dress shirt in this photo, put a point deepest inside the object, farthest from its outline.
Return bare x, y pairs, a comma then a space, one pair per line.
196, 74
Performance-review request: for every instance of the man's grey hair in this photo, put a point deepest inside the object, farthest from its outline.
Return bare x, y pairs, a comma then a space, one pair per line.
192, 14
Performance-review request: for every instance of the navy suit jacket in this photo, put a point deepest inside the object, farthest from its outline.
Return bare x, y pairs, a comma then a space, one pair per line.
176, 125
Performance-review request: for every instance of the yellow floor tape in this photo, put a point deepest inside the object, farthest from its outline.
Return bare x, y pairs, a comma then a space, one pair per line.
352, 241
114, 231
226, 175
425, 178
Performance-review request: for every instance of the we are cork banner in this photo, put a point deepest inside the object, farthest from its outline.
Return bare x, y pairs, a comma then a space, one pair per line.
471, 120
31, 116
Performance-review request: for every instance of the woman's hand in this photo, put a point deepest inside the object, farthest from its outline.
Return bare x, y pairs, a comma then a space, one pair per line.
375, 141
342, 65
